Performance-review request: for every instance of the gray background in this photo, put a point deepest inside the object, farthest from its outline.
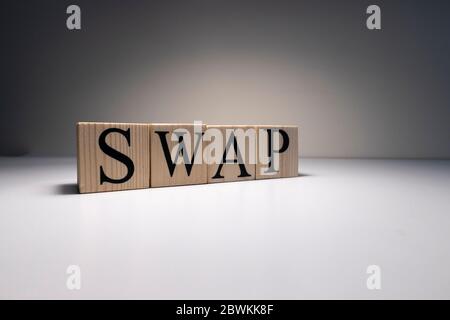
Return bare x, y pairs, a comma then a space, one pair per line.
353, 92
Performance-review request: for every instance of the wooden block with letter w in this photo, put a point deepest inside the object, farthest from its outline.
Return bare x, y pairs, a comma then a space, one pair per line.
176, 157
112, 156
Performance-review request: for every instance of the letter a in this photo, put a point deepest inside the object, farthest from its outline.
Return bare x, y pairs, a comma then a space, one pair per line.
374, 20
74, 20
74, 280
374, 280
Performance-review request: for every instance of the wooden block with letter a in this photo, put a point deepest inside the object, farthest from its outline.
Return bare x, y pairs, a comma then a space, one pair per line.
113, 156
230, 152
277, 152
177, 154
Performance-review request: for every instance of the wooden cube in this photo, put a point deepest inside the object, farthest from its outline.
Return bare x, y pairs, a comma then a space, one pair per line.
176, 157
113, 156
230, 153
277, 142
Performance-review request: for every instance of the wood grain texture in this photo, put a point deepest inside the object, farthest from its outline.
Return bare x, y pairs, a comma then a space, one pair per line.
226, 172
90, 157
161, 134
288, 160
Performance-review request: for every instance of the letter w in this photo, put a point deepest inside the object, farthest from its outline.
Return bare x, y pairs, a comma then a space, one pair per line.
187, 162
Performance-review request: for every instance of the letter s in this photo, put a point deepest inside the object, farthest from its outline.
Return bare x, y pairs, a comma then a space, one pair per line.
113, 153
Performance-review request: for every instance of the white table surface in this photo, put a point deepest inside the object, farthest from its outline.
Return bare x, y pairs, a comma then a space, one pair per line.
306, 237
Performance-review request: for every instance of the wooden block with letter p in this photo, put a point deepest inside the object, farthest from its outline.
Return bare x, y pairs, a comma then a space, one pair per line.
277, 152
112, 156
177, 154
230, 152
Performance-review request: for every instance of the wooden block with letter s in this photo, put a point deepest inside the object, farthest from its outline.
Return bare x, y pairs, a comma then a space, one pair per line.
236, 159
277, 152
112, 156
176, 157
